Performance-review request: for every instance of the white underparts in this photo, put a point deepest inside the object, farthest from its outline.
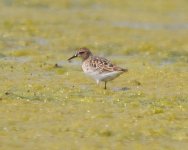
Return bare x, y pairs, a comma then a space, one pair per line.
98, 75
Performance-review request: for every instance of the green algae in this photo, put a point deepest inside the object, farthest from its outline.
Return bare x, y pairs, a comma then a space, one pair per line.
48, 103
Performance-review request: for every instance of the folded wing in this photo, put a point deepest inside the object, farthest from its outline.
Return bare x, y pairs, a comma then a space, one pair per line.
103, 65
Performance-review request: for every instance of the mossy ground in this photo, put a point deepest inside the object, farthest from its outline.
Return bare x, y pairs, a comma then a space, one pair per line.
44, 106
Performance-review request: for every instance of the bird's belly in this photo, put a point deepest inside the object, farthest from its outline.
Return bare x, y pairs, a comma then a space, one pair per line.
109, 76
100, 76
92, 73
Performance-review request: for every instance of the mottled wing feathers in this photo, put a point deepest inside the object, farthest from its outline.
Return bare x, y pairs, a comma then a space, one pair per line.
103, 65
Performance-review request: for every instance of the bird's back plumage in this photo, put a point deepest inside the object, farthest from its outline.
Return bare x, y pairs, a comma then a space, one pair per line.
98, 68
101, 69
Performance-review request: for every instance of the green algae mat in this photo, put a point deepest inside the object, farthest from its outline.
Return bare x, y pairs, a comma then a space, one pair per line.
48, 103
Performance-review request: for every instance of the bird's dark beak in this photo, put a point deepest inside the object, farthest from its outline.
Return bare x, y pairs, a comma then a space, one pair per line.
72, 57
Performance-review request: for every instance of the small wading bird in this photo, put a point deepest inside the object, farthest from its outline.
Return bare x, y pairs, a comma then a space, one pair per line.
98, 68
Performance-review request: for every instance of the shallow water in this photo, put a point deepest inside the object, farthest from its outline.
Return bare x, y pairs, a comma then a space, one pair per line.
152, 26
48, 103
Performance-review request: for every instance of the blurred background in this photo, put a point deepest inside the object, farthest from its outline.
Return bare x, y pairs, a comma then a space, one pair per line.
127, 27
48, 103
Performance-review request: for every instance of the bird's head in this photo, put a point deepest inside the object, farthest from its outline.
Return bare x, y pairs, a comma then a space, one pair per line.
83, 53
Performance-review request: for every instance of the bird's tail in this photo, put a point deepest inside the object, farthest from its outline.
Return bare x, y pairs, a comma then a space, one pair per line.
124, 70
120, 69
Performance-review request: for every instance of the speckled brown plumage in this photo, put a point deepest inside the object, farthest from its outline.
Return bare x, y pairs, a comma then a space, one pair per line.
102, 65
99, 68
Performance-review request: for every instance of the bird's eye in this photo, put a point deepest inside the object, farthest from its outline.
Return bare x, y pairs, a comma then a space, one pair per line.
81, 52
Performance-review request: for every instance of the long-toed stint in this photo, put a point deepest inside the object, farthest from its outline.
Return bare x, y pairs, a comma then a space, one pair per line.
98, 68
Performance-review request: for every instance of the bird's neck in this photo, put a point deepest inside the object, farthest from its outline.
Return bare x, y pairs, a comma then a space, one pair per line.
87, 57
